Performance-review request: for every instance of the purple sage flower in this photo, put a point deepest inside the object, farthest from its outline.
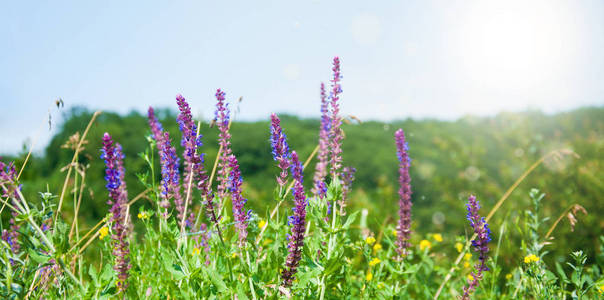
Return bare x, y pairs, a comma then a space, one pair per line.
480, 244
194, 173
335, 133
239, 214
319, 188
347, 179
280, 149
8, 189
404, 222
222, 116
297, 222
118, 199
156, 127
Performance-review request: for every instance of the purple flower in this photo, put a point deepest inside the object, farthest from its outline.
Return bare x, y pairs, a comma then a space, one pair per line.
298, 223
156, 127
319, 188
194, 172
8, 189
335, 133
222, 116
347, 179
280, 149
404, 223
480, 244
118, 199
239, 213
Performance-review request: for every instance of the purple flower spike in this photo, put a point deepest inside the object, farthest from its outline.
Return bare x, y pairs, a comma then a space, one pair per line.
319, 188
404, 223
347, 179
239, 213
298, 223
194, 174
156, 127
118, 199
222, 116
480, 244
8, 189
335, 133
280, 149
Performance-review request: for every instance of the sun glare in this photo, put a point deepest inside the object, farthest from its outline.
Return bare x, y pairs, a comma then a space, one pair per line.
514, 45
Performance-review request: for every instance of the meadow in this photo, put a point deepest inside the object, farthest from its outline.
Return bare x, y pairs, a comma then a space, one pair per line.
156, 207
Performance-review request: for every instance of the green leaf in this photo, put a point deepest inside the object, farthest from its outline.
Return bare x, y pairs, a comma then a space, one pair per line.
216, 280
38, 257
351, 218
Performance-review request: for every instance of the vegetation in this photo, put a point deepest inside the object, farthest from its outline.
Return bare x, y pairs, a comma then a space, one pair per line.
60, 238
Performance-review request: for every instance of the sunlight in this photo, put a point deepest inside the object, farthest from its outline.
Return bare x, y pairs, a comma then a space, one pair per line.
515, 45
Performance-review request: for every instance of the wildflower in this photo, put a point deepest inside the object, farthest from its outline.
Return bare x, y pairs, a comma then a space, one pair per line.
196, 251
467, 256
470, 277
370, 240
424, 244
508, 276
601, 289
9, 189
377, 247
239, 213
222, 118
335, 133
531, 258
298, 223
280, 149
234, 255
480, 244
459, 247
118, 199
404, 223
380, 285
194, 173
262, 223
103, 232
466, 264
266, 242
369, 276
319, 188
437, 237
394, 233
143, 215
347, 179
374, 261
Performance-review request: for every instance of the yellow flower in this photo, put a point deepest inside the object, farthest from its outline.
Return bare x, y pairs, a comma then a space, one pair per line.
262, 223
466, 264
467, 256
394, 232
377, 247
424, 244
459, 247
143, 215
266, 242
369, 276
470, 277
104, 231
370, 240
508, 276
234, 255
374, 261
531, 258
380, 285
437, 237
195, 251
601, 289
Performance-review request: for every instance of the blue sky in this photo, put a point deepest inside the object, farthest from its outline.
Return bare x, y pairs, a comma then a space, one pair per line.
400, 59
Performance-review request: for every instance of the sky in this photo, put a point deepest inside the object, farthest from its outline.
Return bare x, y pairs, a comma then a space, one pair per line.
400, 59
